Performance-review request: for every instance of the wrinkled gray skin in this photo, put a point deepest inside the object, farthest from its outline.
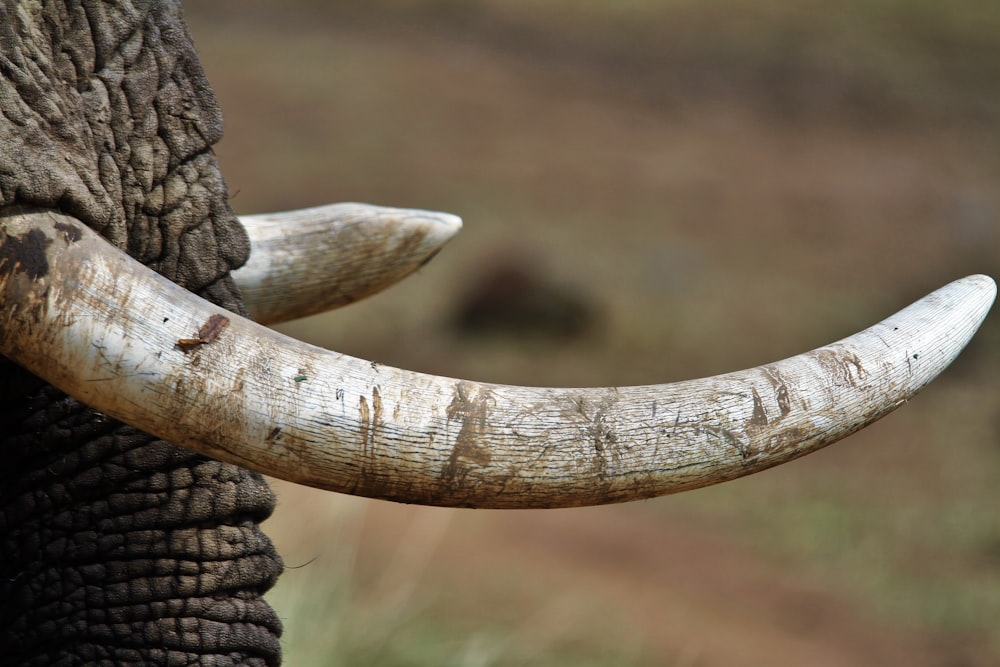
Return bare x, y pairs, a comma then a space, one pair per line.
118, 547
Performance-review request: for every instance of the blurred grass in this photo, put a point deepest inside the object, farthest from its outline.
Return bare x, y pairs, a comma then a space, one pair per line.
396, 608
731, 183
872, 58
915, 534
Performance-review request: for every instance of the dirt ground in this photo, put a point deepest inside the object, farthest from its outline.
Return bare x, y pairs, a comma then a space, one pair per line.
716, 215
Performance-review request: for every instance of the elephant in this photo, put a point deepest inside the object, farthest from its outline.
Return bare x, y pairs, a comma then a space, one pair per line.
141, 401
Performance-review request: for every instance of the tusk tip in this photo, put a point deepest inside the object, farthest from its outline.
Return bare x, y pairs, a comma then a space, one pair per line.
439, 227
309, 260
974, 294
985, 284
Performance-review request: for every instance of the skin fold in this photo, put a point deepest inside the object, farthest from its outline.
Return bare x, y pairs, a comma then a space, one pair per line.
117, 546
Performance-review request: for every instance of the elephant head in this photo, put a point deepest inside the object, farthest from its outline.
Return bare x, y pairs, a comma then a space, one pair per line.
122, 296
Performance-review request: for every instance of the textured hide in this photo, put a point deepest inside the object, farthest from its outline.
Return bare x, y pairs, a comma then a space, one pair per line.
115, 546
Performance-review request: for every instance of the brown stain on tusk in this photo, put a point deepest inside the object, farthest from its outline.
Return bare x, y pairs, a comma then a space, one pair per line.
600, 433
370, 421
780, 389
759, 417
25, 255
370, 418
364, 422
71, 233
469, 407
206, 334
843, 366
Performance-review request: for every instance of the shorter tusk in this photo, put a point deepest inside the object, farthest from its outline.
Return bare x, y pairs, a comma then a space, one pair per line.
129, 343
316, 259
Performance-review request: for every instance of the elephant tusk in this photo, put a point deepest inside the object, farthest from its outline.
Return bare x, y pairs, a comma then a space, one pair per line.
316, 259
133, 345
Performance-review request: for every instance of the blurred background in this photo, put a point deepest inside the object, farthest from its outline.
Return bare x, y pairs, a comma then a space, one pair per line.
651, 191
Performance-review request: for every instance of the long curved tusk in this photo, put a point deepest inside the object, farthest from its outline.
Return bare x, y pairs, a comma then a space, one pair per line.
316, 259
129, 343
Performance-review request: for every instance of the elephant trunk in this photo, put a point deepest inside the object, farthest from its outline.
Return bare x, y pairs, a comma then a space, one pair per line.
116, 547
